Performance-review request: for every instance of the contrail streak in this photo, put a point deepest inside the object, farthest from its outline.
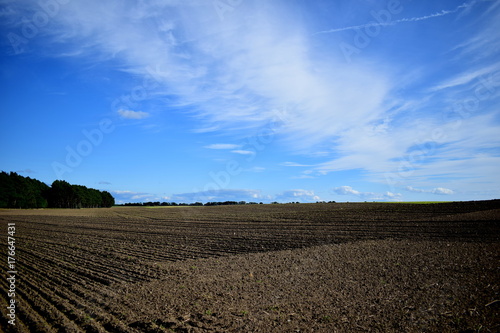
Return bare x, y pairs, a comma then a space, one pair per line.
403, 20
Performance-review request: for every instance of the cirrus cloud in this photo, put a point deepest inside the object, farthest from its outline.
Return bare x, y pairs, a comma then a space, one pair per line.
222, 146
129, 114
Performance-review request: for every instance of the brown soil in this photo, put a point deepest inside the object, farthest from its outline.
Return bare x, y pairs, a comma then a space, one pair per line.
258, 268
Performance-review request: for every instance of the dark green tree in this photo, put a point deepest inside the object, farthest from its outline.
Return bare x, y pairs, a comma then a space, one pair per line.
107, 199
61, 194
21, 192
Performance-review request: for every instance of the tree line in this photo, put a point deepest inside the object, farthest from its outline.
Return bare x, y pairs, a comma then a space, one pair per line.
17, 191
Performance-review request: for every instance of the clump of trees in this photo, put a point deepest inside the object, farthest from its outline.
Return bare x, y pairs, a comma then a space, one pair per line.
65, 195
24, 192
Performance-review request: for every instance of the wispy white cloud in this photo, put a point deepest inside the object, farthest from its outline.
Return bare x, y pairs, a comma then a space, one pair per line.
230, 74
129, 114
222, 146
437, 190
297, 195
386, 196
467, 77
425, 153
483, 45
206, 129
442, 191
294, 164
243, 152
122, 197
123, 192
346, 190
464, 6
143, 197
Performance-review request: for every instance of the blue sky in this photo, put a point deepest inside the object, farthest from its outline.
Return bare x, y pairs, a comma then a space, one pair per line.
277, 100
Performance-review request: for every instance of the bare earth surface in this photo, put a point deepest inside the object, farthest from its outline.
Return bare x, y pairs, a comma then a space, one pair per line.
257, 268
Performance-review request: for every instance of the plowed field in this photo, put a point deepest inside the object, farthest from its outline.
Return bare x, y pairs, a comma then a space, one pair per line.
256, 268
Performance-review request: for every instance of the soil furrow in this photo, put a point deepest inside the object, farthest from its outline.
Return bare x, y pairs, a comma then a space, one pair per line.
257, 268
